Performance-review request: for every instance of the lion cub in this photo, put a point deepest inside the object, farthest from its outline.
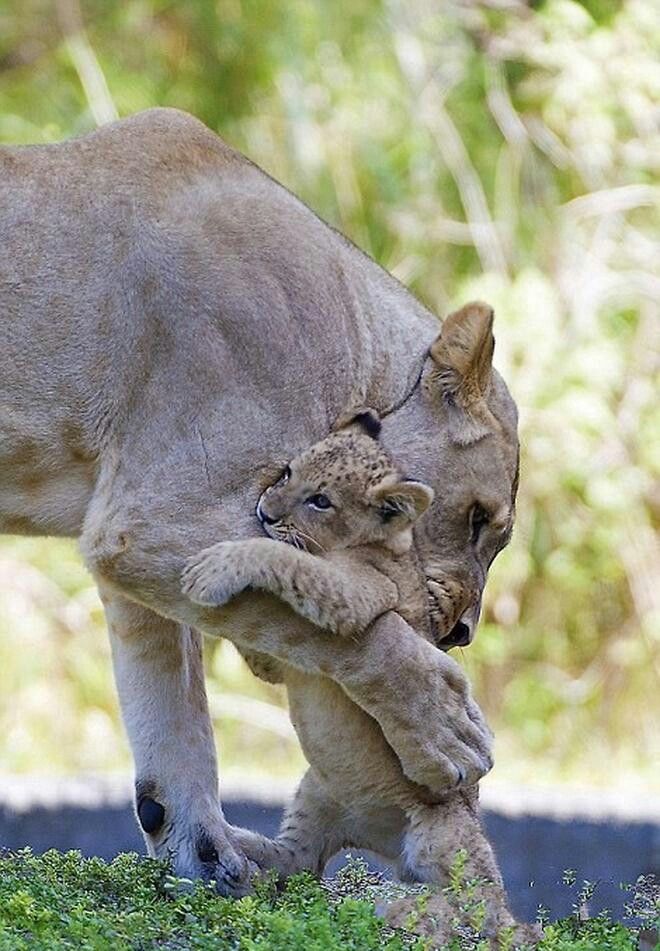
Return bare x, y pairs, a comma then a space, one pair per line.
345, 515
341, 499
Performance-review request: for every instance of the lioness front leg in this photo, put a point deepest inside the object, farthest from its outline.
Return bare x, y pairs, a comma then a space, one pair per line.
418, 695
422, 701
344, 601
438, 733
159, 675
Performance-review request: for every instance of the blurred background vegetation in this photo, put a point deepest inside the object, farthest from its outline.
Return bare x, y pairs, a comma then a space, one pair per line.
502, 149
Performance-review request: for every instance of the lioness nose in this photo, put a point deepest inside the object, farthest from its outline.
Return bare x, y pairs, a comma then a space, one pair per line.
459, 636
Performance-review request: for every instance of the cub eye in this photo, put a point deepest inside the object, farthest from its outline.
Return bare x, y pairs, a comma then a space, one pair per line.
286, 475
319, 501
478, 518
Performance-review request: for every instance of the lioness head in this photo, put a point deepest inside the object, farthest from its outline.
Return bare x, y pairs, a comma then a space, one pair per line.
343, 492
457, 432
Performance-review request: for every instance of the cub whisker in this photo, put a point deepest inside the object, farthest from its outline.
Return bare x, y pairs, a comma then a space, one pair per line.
311, 538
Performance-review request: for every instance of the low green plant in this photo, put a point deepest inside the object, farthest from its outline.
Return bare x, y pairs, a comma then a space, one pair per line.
62, 901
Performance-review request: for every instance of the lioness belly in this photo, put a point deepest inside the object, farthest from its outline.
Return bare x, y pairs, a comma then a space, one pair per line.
42, 492
56, 507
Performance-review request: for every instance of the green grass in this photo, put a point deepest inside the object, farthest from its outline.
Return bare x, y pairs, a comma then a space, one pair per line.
61, 901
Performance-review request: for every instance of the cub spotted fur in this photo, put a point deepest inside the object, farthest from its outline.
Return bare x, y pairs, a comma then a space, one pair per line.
345, 514
344, 500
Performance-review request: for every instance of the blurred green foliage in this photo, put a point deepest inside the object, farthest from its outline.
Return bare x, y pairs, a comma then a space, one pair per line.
498, 149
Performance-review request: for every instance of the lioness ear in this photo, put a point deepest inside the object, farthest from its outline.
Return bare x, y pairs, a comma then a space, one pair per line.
463, 353
463, 356
401, 503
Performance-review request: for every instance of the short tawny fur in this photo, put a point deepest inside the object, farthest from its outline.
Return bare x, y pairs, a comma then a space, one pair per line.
174, 325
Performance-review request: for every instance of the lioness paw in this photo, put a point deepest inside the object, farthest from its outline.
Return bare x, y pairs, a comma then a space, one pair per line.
215, 576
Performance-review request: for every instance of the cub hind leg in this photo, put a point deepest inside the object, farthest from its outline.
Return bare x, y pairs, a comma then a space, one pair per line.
311, 832
434, 840
315, 827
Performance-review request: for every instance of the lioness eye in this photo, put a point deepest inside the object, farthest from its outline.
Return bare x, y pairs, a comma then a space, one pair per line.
286, 475
478, 518
319, 501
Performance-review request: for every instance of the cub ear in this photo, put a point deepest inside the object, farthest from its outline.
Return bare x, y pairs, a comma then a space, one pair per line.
463, 357
401, 503
369, 421
366, 419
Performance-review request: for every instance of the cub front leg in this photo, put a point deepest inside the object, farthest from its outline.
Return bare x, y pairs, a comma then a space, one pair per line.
341, 596
219, 573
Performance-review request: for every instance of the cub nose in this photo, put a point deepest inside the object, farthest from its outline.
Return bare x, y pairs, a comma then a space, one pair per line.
263, 517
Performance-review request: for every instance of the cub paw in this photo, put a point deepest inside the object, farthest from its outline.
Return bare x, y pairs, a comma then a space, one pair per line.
214, 576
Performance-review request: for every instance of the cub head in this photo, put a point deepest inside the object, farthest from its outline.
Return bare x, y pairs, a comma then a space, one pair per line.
344, 492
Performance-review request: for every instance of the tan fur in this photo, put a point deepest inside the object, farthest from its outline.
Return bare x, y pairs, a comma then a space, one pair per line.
173, 326
361, 537
357, 571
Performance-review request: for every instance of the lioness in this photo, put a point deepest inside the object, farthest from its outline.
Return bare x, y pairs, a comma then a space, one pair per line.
345, 514
174, 326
